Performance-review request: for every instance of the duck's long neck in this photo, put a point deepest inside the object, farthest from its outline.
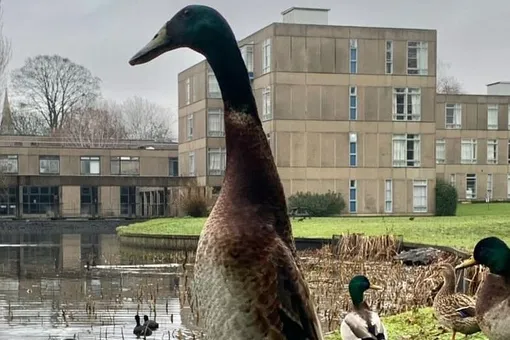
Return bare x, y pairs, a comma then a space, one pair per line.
357, 297
250, 165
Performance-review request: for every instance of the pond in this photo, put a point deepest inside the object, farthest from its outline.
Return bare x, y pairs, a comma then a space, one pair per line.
47, 291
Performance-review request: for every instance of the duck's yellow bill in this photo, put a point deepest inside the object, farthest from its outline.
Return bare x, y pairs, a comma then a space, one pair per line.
467, 263
376, 287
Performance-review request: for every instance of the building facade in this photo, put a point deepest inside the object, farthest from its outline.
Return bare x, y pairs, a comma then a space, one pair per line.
45, 176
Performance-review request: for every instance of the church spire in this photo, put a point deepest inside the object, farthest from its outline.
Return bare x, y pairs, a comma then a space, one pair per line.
6, 124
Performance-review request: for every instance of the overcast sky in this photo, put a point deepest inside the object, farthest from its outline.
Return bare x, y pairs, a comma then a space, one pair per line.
103, 34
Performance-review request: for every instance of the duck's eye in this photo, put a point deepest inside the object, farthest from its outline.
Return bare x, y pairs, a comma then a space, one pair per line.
186, 13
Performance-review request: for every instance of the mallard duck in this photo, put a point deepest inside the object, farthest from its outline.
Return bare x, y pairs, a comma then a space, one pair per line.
153, 325
362, 322
247, 281
454, 310
493, 298
141, 330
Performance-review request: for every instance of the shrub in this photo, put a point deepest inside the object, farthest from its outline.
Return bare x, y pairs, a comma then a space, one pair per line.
318, 205
195, 206
446, 198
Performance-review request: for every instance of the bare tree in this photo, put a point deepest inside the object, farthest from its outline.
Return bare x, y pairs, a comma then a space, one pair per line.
27, 122
96, 126
144, 119
5, 50
55, 87
447, 84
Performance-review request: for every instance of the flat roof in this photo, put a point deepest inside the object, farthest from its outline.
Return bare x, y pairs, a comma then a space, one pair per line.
305, 9
499, 82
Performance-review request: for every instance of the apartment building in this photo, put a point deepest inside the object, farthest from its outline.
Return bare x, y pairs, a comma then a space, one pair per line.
46, 176
349, 109
473, 142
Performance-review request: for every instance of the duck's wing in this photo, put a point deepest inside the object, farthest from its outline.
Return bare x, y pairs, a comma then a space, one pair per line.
460, 305
293, 315
353, 327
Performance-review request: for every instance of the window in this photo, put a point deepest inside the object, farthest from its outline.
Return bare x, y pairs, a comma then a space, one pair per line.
389, 57
217, 161
489, 186
470, 186
266, 56
188, 91
90, 165
215, 123
191, 163
9, 164
213, 87
388, 196
468, 151
40, 200
125, 165
8, 200
353, 103
508, 117
173, 166
353, 152
353, 43
89, 200
406, 150
190, 127
49, 164
407, 104
352, 196
440, 151
453, 116
128, 200
508, 186
492, 117
247, 54
266, 104
419, 196
417, 58
453, 180
492, 151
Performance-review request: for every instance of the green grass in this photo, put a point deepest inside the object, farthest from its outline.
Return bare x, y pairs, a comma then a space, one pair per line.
473, 222
416, 324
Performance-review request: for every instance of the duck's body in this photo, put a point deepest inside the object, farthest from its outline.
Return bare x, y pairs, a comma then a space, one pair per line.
141, 330
153, 325
362, 323
454, 310
493, 298
247, 282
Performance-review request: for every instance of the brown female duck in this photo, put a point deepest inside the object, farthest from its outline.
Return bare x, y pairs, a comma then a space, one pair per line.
454, 310
493, 298
247, 283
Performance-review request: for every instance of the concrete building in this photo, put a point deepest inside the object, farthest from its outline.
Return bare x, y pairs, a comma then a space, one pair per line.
348, 109
45, 176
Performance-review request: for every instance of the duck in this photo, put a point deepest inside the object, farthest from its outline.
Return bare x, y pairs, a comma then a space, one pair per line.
455, 311
362, 323
141, 330
493, 298
248, 282
153, 325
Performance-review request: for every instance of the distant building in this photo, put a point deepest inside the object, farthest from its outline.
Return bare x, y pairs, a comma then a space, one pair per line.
354, 110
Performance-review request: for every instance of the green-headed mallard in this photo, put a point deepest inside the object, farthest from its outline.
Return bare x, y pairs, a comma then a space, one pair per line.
362, 323
454, 310
247, 283
493, 298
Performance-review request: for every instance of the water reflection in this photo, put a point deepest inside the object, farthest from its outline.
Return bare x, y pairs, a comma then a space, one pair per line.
47, 291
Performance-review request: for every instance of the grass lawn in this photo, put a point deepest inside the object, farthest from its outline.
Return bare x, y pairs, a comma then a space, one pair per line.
473, 222
417, 324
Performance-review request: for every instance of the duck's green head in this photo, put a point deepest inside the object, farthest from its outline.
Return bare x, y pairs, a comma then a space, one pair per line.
357, 286
195, 26
491, 252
